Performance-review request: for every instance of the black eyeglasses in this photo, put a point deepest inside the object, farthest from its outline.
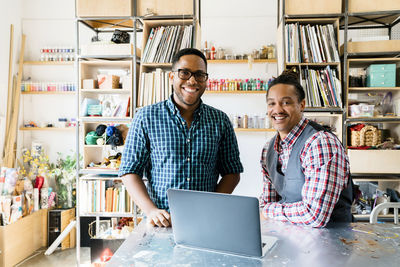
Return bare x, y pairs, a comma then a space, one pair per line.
186, 74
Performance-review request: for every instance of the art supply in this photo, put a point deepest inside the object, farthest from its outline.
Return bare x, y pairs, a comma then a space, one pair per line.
57, 54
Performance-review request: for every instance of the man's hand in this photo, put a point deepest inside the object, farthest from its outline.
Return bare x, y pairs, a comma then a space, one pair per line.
262, 218
158, 217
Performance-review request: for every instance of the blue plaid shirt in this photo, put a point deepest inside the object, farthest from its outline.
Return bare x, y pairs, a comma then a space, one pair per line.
173, 156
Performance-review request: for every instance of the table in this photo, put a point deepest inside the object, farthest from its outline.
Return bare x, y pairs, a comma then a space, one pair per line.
355, 244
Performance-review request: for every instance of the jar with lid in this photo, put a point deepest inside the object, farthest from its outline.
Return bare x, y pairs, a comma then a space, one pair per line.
220, 53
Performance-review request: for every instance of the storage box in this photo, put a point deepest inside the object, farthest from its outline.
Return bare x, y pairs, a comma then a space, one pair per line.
361, 110
372, 46
23, 237
108, 81
89, 84
104, 8
381, 75
374, 161
98, 49
308, 7
372, 5
162, 7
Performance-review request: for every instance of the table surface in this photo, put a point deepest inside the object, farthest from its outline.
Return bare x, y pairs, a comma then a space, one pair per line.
355, 244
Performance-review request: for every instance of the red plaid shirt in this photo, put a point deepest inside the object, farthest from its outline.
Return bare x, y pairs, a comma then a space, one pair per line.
326, 169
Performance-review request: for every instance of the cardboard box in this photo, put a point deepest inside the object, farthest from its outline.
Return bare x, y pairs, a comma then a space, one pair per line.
308, 7
108, 81
372, 46
358, 6
163, 7
89, 84
104, 8
20, 239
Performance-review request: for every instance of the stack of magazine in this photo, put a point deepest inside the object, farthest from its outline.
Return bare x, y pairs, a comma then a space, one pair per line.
165, 41
311, 43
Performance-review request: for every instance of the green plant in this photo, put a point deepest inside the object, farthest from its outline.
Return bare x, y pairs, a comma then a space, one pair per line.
64, 172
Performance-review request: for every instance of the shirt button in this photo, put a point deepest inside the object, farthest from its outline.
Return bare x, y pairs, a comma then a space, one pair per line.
188, 159
188, 179
188, 140
183, 123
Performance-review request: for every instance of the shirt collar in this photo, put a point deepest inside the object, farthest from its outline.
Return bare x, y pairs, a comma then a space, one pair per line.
174, 109
291, 138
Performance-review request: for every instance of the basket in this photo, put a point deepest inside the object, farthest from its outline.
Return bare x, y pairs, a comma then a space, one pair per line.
367, 136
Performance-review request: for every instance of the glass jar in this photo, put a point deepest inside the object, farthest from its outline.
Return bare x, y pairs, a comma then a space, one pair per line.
220, 53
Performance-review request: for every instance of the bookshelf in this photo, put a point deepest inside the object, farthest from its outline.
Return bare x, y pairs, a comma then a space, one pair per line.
308, 42
137, 18
375, 166
162, 38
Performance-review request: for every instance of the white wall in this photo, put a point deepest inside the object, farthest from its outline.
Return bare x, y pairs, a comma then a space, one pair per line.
48, 23
241, 27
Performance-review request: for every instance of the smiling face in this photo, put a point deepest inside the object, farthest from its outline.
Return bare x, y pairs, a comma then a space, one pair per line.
187, 93
284, 108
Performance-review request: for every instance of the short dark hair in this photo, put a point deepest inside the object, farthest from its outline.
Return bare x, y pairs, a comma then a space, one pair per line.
291, 78
188, 51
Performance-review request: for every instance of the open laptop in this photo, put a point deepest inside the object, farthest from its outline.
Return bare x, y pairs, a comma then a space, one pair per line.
218, 222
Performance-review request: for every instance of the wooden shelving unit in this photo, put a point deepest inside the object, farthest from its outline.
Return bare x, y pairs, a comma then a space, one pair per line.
372, 165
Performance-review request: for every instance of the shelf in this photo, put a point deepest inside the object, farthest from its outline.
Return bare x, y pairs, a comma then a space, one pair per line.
96, 146
105, 119
234, 92
314, 64
240, 61
49, 63
323, 109
49, 93
106, 214
360, 89
100, 177
105, 91
46, 129
369, 20
369, 60
109, 57
157, 65
253, 130
374, 119
105, 23
99, 171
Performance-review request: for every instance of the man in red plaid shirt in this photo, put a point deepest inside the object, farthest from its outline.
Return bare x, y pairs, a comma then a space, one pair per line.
305, 167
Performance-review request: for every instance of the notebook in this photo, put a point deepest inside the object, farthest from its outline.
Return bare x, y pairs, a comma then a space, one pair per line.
218, 222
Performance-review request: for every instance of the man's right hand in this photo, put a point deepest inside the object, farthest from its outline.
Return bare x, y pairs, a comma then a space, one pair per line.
159, 217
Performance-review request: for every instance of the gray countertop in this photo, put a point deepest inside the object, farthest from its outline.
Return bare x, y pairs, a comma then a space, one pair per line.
356, 244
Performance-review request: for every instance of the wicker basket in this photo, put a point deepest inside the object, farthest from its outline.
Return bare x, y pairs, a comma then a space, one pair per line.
367, 136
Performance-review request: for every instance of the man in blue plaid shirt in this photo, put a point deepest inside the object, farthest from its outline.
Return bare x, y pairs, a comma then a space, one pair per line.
180, 143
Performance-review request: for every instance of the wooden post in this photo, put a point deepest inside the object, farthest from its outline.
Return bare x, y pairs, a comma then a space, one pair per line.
11, 135
10, 85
